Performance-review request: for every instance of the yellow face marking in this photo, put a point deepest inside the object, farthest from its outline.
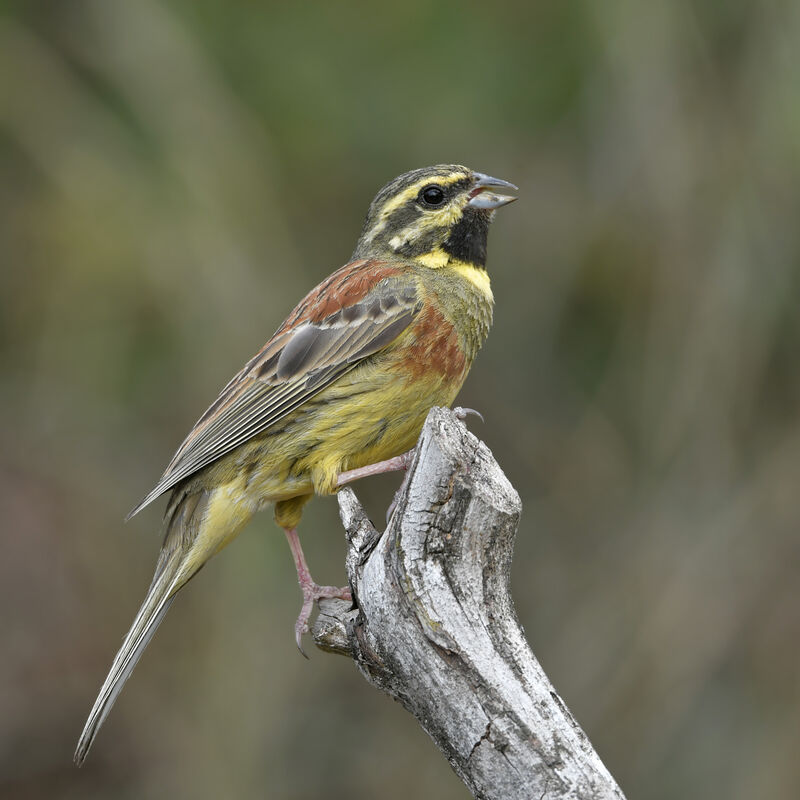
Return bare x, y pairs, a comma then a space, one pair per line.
412, 191
441, 219
408, 194
479, 278
436, 259
444, 217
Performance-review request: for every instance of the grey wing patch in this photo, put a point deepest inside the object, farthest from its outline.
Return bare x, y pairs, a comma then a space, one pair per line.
304, 346
284, 376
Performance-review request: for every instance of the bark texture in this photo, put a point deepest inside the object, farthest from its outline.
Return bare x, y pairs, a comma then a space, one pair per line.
434, 625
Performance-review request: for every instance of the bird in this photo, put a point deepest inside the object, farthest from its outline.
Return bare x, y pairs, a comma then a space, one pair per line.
339, 392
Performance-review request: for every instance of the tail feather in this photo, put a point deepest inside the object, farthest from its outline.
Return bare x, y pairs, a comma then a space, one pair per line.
177, 563
155, 606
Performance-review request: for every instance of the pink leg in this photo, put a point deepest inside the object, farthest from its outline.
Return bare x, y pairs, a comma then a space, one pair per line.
311, 590
395, 464
390, 465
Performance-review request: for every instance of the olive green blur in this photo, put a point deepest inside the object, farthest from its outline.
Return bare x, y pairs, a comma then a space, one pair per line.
174, 176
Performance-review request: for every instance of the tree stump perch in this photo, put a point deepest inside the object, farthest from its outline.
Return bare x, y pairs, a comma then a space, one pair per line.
434, 625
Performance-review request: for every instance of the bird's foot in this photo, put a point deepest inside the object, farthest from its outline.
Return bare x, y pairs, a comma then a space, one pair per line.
311, 590
311, 593
463, 413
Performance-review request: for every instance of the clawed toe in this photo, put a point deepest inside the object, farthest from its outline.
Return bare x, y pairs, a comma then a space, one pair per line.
463, 413
311, 590
301, 626
311, 593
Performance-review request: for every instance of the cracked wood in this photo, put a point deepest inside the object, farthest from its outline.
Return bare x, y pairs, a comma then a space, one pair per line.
434, 625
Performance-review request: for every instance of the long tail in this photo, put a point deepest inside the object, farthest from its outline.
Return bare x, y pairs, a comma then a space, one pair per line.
177, 563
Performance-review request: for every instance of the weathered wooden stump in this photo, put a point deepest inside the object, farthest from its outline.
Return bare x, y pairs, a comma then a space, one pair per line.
435, 627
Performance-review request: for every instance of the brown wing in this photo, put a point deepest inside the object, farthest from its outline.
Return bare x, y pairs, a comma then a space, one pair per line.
306, 354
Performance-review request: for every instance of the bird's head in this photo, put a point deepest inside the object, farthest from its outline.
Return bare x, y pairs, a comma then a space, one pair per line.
433, 216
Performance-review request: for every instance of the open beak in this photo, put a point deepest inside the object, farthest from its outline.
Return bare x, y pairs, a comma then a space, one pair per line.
482, 197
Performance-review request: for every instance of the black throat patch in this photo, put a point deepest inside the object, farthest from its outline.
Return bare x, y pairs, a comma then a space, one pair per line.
467, 240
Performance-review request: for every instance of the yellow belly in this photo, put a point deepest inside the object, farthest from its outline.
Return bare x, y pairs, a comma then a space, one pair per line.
370, 414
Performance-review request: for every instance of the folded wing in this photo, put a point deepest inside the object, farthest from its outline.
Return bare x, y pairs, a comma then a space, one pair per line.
298, 362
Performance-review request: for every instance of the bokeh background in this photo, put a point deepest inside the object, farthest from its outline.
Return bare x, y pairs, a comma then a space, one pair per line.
174, 175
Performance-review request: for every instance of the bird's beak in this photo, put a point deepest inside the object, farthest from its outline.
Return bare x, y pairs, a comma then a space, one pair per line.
480, 197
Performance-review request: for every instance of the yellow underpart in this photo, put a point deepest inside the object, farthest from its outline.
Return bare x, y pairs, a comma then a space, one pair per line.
229, 510
478, 277
289, 512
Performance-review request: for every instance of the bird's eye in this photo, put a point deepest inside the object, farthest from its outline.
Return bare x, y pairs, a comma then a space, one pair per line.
432, 195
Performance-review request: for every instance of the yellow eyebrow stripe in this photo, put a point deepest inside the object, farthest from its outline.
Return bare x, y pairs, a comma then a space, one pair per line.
411, 191
404, 196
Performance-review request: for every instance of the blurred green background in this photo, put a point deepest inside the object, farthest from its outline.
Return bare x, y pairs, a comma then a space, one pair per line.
174, 175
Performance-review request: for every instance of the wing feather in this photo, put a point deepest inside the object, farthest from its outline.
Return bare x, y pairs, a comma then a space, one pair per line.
293, 366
